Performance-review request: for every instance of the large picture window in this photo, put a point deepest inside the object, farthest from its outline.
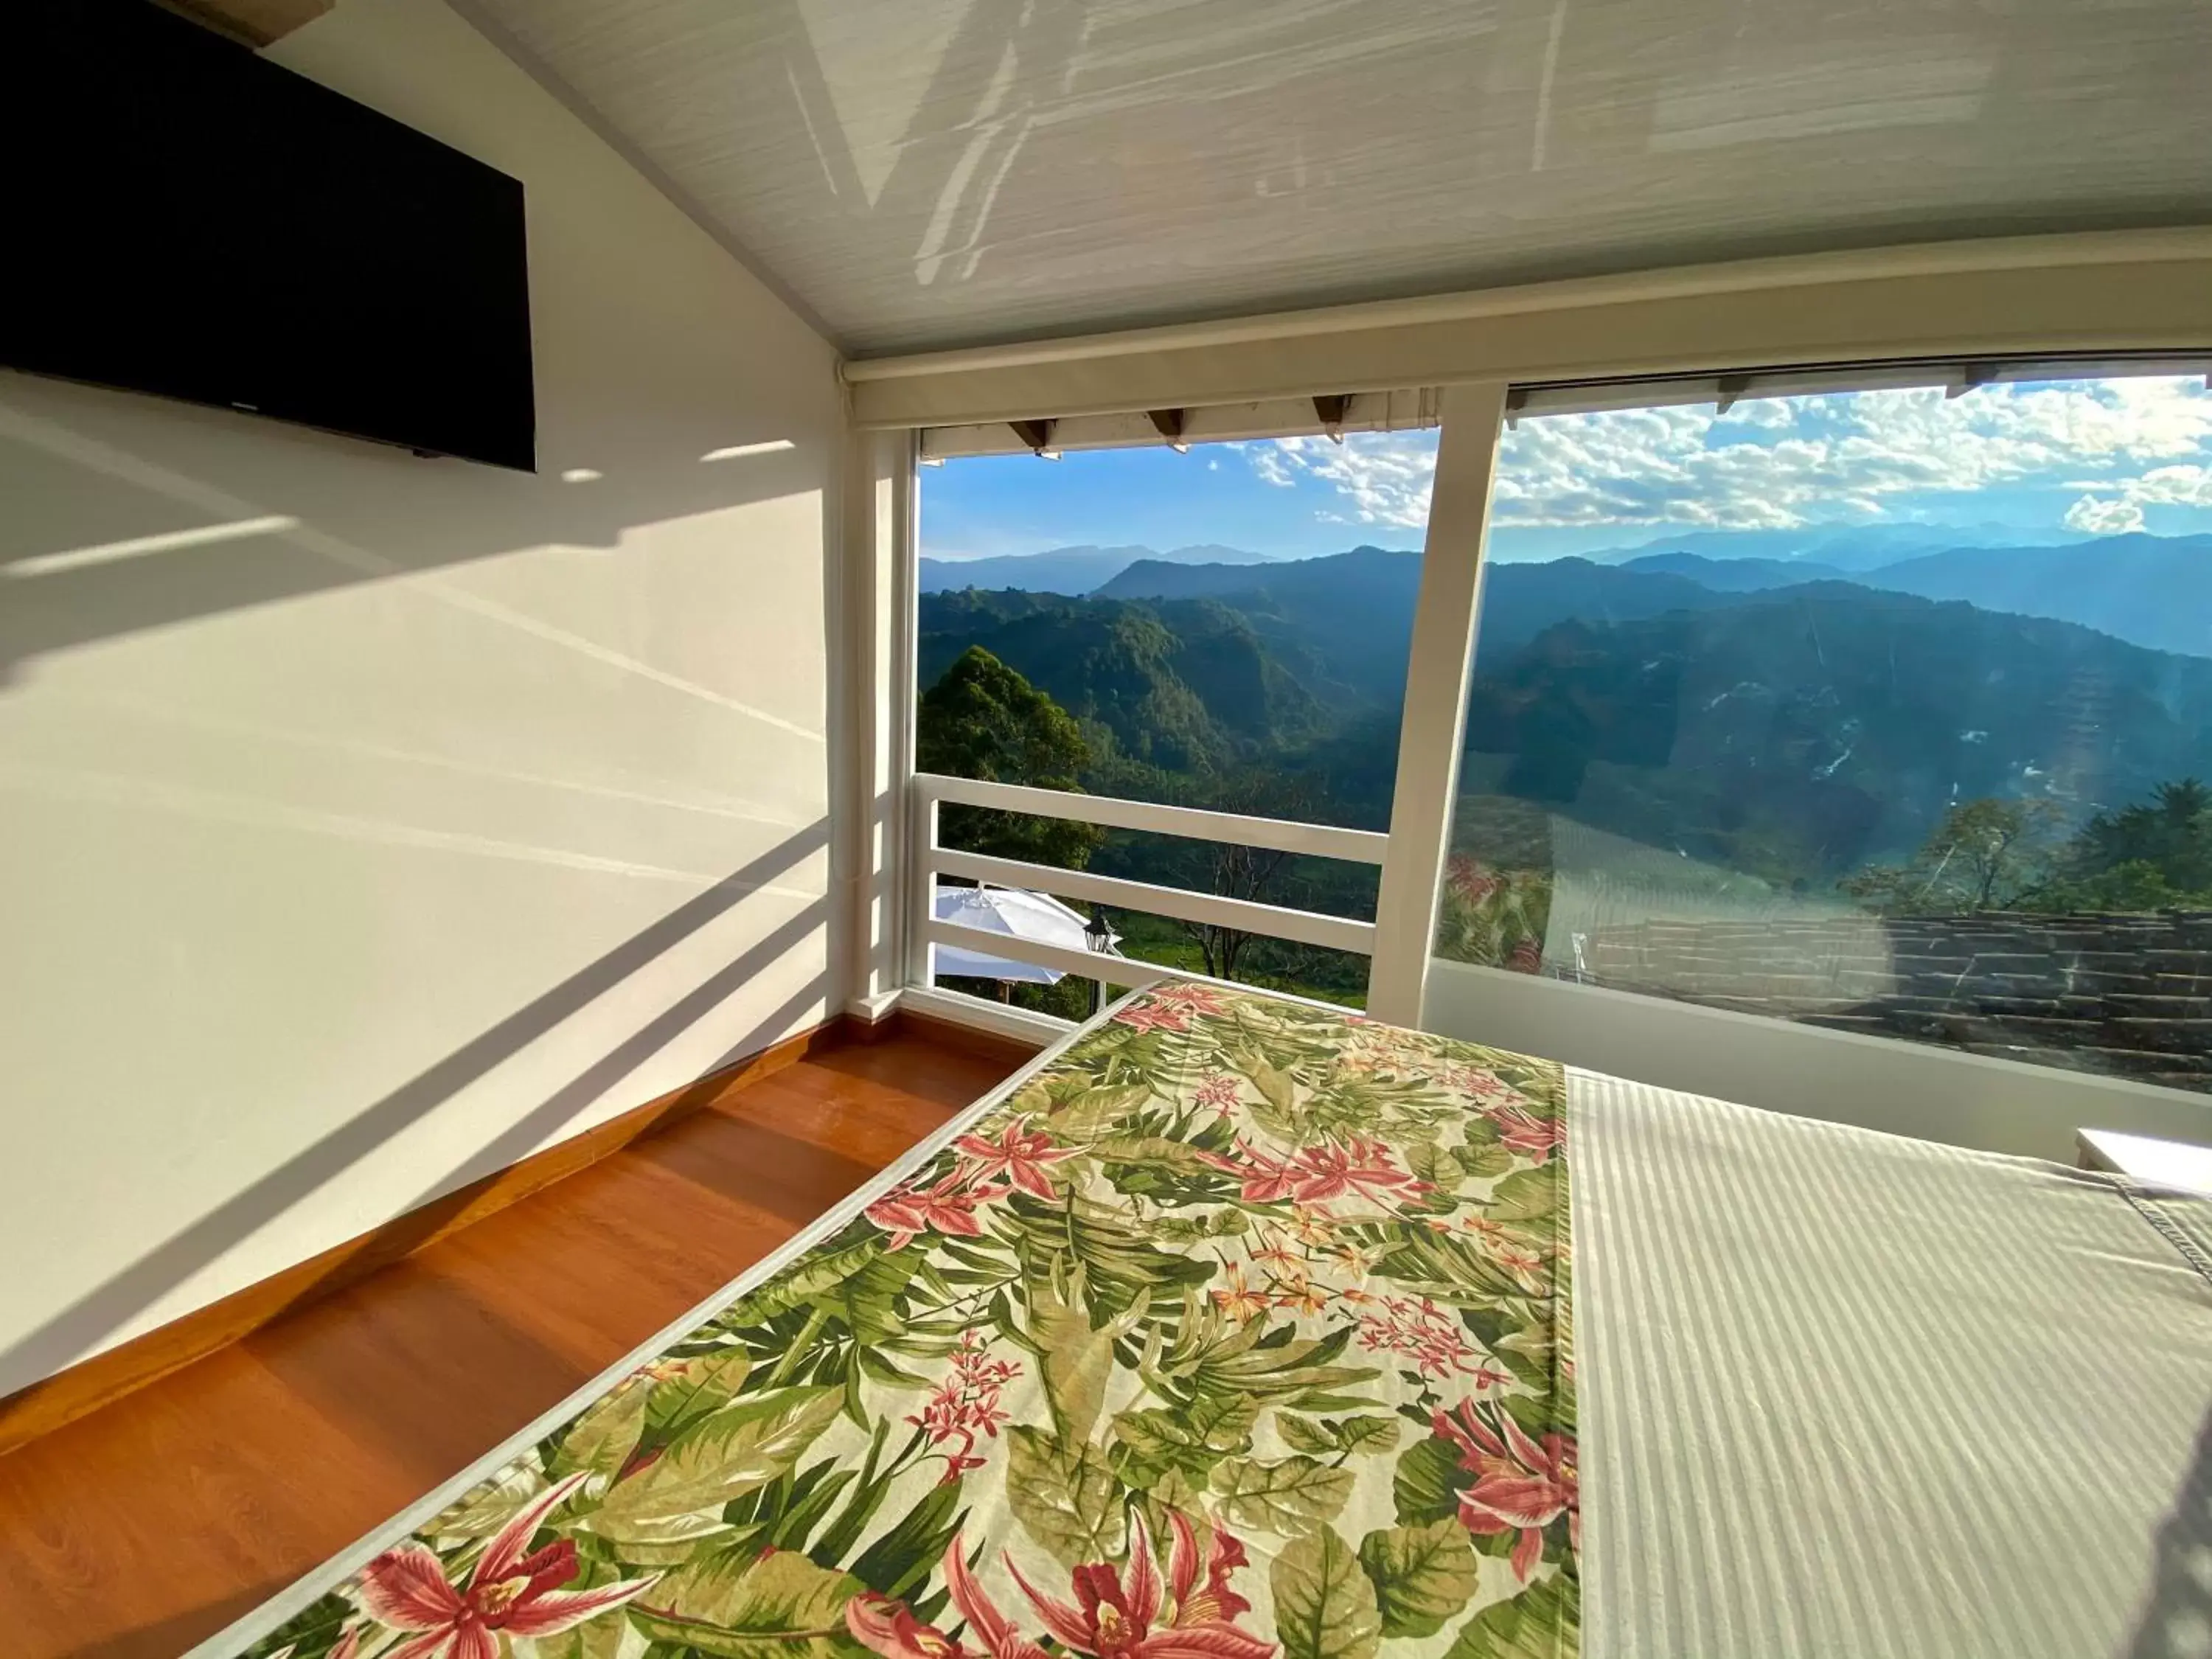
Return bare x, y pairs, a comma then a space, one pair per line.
1226, 628
1889, 711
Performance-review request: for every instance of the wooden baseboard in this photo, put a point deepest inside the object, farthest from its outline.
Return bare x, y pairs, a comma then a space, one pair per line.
69, 1395
951, 1034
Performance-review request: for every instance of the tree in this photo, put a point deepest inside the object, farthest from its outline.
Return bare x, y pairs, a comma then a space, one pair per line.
1259, 874
1986, 854
2133, 888
984, 721
2171, 834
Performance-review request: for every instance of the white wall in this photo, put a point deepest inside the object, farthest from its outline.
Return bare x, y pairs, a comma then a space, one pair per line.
344, 861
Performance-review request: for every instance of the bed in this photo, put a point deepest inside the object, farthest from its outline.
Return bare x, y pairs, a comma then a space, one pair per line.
1238, 1327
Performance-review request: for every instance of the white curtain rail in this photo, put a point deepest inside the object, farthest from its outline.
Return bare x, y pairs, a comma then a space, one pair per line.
1410, 410
1955, 375
1420, 409
1110, 811
1181, 903
2103, 294
1975, 257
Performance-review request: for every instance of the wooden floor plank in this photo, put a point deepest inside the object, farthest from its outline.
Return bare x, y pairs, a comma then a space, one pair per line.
136, 1532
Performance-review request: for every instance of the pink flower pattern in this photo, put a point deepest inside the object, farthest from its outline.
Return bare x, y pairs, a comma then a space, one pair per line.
1533, 1137
1315, 1174
1018, 1158
890, 1628
1118, 1613
1521, 1484
1192, 1000
1302, 1239
1121, 1614
1154, 1017
1221, 1092
511, 1590
1431, 1337
942, 1208
966, 1404
1021, 1155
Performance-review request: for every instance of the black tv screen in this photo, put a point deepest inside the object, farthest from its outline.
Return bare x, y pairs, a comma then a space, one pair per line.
183, 216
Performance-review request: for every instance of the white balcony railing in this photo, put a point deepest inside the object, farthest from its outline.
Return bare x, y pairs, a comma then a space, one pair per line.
929, 859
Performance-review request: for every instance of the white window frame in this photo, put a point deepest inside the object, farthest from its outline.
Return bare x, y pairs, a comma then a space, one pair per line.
1438, 664
920, 794
1889, 1084
2146, 297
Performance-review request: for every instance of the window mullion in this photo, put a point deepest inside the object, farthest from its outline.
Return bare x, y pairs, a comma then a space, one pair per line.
1437, 670
912, 825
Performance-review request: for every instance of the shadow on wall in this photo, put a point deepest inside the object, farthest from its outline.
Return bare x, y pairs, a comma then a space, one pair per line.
2178, 1622
89, 1320
215, 512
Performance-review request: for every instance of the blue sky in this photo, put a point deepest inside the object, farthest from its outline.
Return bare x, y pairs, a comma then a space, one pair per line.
2089, 457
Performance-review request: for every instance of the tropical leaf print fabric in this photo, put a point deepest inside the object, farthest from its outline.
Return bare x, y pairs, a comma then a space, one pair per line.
1240, 1331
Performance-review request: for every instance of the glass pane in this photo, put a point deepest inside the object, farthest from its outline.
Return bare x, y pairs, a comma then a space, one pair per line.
1886, 711
1225, 629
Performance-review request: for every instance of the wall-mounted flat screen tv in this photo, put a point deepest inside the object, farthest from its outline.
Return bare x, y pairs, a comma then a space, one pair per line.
183, 216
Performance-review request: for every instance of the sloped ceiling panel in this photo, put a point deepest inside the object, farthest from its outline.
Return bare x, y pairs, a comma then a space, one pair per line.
939, 173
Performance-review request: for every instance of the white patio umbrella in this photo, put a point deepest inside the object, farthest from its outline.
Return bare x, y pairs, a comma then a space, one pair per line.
1017, 913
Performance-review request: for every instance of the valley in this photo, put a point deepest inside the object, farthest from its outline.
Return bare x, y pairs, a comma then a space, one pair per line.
1761, 731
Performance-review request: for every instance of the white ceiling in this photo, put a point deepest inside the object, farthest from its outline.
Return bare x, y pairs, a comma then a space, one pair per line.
938, 173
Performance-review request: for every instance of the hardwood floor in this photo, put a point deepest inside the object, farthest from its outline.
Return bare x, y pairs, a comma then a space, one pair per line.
150, 1524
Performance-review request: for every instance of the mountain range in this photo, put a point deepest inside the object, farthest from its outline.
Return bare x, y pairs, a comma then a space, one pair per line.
2154, 591
1731, 709
1842, 547
1071, 570
1807, 730
2151, 590
1745, 576
1815, 550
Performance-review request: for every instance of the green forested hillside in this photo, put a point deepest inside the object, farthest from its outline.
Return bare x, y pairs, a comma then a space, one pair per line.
2152, 590
1796, 733
1180, 685
1229, 665
1807, 731
1673, 726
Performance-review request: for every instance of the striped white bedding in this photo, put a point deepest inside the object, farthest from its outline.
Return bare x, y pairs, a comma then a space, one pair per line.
1843, 1394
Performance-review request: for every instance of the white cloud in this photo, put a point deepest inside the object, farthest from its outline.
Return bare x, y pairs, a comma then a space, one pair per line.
1778, 463
1268, 466
2171, 486
1383, 476
2188, 485
2104, 517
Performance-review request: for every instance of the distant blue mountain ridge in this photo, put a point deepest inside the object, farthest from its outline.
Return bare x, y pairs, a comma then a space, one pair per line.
1854, 548
1073, 571
2151, 591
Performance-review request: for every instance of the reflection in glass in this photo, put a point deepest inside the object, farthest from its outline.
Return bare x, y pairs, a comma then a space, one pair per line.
1886, 711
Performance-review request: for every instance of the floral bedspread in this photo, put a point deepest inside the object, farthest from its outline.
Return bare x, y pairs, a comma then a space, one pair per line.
1241, 1331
